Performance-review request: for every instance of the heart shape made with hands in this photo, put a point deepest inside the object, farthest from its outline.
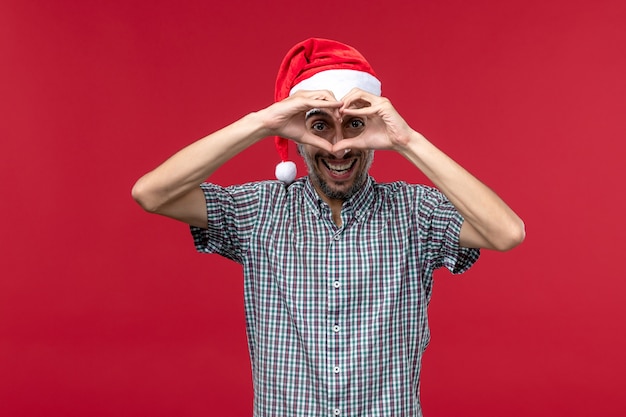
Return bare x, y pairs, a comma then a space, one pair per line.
338, 126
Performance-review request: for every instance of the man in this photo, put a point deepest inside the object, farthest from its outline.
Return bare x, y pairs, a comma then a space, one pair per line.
337, 268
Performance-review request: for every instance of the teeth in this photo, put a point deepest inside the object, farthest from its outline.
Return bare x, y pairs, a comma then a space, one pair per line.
339, 167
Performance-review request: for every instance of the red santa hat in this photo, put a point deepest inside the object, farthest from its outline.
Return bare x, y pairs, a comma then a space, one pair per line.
319, 64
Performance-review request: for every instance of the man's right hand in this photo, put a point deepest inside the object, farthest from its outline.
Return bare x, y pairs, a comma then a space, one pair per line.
286, 118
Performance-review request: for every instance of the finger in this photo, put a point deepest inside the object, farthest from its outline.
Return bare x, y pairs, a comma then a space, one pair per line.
357, 98
358, 93
362, 111
326, 95
313, 140
320, 103
329, 106
346, 144
329, 94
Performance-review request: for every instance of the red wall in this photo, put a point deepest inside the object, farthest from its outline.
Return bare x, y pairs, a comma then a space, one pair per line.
108, 311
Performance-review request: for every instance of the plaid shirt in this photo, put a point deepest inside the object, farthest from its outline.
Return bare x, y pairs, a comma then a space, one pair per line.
336, 316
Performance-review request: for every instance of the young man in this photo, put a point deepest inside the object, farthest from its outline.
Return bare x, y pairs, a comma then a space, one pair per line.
337, 268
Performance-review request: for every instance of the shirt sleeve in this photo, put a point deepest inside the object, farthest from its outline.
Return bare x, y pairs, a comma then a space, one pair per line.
231, 214
439, 229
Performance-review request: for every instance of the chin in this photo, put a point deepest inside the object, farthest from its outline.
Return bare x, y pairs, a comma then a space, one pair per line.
343, 192
335, 189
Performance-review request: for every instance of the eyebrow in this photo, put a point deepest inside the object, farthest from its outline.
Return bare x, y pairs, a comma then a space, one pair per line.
314, 112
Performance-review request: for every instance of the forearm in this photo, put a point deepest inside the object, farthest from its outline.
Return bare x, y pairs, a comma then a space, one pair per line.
189, 167
495, 223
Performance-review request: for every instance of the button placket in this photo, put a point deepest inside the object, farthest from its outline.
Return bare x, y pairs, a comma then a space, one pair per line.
335, 295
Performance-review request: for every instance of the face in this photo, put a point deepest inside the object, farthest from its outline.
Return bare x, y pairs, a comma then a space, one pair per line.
336, 177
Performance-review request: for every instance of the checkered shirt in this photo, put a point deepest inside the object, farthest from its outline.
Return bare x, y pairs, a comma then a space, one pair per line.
336, 317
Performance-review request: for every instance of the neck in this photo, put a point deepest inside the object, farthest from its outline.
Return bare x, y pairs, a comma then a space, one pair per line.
335, 205
335, 209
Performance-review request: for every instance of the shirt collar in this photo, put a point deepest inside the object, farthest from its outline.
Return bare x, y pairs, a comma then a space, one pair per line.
358, 204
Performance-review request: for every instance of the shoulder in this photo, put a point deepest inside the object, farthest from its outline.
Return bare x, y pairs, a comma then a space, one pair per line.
265, 186
406, 200
266, 191
403, 191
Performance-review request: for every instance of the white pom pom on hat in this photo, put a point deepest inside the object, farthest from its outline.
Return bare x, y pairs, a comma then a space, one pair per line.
286, 172
319, 64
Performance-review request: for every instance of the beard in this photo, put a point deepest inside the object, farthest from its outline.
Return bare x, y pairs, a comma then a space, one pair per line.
326, 188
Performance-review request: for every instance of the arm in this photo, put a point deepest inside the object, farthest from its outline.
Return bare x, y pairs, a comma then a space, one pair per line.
489, 221
172, 188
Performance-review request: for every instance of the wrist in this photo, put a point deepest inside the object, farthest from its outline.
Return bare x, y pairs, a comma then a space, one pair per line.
410, 146
258, 125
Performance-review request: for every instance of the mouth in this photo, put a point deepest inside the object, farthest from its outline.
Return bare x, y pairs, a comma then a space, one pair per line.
339, 168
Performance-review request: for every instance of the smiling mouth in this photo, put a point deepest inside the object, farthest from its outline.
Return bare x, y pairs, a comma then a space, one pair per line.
339, 167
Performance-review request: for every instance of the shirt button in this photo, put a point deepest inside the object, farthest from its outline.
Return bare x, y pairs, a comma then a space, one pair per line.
336, 284
336, 369
336, 328
337, 237
337, 411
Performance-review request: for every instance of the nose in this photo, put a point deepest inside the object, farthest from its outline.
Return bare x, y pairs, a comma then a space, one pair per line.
338, 136
338, 133
341, 154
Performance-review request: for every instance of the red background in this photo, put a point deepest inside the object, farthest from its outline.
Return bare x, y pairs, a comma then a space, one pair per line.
108, 311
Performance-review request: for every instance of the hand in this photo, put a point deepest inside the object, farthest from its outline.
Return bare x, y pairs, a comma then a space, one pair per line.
384, 127
286, 118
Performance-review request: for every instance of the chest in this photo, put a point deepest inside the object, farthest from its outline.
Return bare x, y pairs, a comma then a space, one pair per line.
368, 262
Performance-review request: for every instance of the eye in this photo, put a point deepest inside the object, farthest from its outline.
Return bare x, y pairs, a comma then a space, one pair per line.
319, 126
356, 124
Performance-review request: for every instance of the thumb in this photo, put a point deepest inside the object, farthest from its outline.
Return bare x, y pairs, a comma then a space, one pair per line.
343, 145
314, 140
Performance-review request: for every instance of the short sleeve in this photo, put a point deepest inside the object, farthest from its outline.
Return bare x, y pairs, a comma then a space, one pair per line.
231, 214
440, 228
